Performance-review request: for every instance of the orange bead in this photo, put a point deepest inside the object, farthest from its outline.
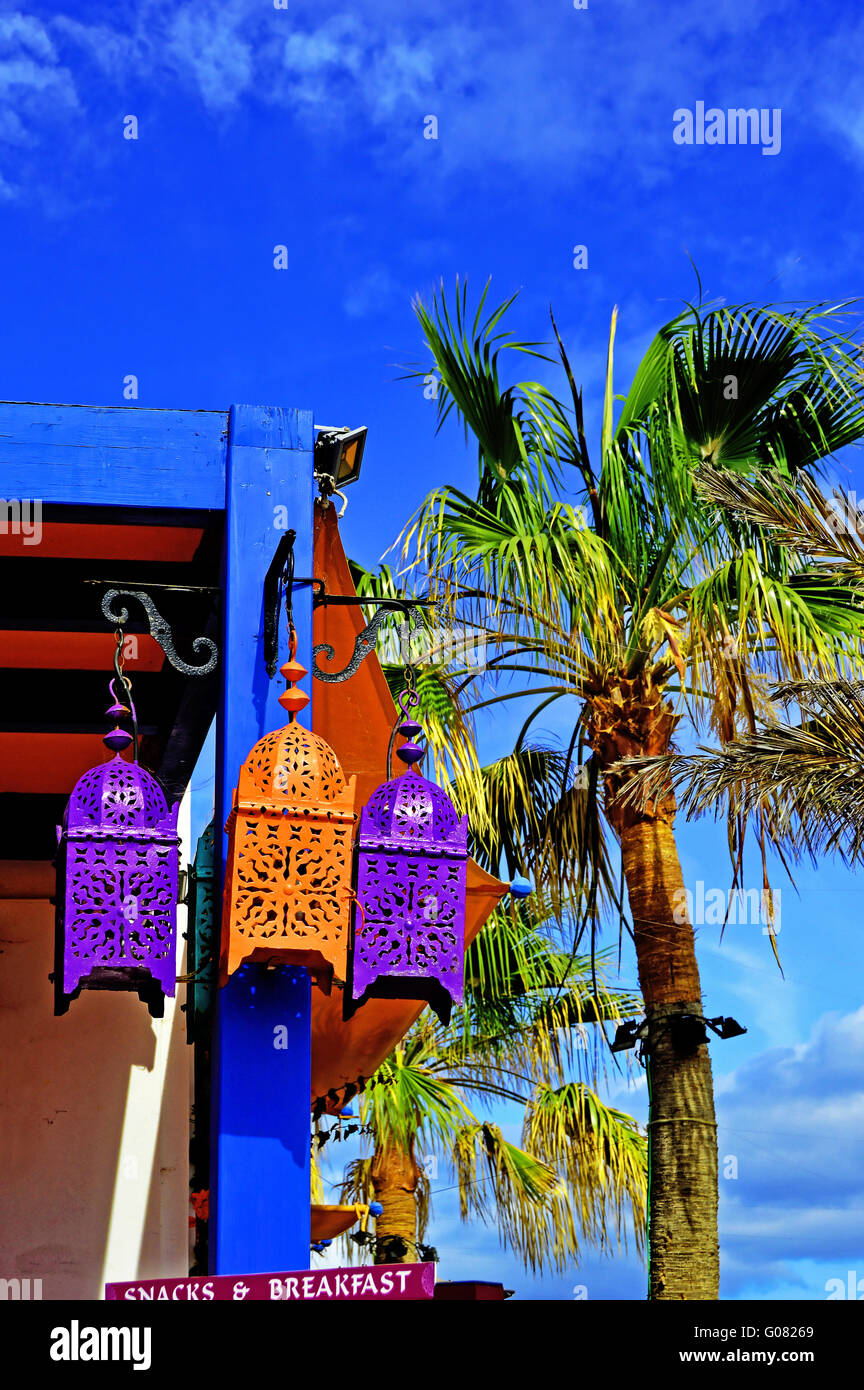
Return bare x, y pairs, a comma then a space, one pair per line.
293, 699
293, 671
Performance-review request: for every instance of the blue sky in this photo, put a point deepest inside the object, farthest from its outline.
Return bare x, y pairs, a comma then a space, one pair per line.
303, 127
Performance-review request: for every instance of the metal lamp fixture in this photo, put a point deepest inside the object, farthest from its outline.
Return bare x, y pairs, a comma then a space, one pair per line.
338, 456
725, 1027
628, 1034
687, 1030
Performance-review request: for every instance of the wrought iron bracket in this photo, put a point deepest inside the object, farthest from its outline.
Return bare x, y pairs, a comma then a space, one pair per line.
365, 640
161, 631
363, 645
281, 577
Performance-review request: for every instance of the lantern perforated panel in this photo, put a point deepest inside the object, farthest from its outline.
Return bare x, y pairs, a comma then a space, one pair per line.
410, 927
288, 878
116, 914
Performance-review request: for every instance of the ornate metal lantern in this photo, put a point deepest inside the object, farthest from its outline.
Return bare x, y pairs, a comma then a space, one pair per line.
288, 874
412, 863
117, 862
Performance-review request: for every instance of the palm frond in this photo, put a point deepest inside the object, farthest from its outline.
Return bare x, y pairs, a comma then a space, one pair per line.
504, 1185
600, 1153
798, 515
466, 355
807, 778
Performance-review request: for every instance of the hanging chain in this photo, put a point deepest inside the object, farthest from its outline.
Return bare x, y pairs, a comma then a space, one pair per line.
408, 699
126, 687
410, 671
287, 582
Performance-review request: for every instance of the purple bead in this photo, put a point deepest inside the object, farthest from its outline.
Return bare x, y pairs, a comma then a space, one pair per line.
117, 740
410, 728
116, 914
410, 753
411, 883
118, 711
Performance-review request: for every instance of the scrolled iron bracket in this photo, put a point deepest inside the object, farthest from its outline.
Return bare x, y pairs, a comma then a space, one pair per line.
160, 631
363, 645
365, 640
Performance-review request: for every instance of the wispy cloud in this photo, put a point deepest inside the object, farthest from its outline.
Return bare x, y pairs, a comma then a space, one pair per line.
511, 88
36, 90
371, 293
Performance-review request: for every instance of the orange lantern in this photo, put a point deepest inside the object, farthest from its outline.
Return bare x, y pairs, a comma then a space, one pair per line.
288, 875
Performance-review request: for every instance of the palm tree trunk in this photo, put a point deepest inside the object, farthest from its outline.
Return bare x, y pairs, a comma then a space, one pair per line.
394, 1181
682, 1211
630, 718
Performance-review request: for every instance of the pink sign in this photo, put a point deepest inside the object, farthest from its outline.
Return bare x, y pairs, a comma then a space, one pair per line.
320, 1285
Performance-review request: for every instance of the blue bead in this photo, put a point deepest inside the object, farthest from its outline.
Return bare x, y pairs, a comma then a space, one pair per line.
347, 1112
521, 887
375, 1208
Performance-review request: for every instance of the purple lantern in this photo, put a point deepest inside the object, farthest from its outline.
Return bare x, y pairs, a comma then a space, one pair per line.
116, 905
410, 925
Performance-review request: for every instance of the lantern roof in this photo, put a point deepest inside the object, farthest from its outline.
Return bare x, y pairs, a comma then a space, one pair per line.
117, 798
409, 811
293, 767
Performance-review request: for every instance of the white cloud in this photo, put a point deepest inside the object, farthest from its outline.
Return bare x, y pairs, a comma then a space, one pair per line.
36, 91
208, 42
541, 96
23, 31
370, 293
115, 52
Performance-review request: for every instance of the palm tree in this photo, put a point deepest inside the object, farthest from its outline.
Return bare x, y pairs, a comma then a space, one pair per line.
610, 582
580, 1171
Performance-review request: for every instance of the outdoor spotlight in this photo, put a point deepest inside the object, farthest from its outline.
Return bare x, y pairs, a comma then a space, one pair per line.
338, 456
726, 1027
626, 1036
688, 1032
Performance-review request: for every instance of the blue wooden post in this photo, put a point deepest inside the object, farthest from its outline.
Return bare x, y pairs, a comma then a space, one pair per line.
260, 1174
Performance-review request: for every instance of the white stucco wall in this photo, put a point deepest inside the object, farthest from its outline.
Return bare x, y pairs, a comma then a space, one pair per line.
94, 1120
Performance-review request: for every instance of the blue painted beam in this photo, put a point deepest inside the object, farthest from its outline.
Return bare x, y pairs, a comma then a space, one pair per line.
113, 456
260, 1162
